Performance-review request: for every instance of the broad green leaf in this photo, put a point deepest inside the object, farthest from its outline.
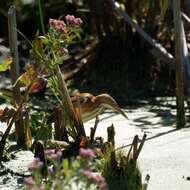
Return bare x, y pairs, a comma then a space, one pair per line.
5, 65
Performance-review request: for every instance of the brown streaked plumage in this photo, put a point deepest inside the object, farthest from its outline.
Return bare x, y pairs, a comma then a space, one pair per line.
91, 106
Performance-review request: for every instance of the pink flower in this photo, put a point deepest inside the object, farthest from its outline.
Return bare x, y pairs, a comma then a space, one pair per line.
53, 155
42, 187
29, 181
49, 152
103, 186
57, 25
77, 22
88, 174
71, 20
97, 178
36, 164
87, 153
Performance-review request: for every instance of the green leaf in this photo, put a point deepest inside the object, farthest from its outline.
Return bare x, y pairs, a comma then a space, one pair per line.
65, 165
76, 165
28, 76
38, 46
44, 40
5, 65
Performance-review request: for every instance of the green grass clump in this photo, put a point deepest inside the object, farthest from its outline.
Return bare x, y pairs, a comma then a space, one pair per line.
121, 173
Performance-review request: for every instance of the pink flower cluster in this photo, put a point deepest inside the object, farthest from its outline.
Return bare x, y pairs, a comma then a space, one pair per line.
60, 25
36, 164
31, 184
71, 20
86, 153
53, 154
96, 178
57, 25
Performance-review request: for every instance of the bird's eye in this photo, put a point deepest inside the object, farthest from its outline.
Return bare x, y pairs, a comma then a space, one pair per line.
82, 100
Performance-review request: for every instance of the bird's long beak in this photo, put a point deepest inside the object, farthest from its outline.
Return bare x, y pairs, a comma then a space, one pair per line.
116, 108
119, 110
108, 102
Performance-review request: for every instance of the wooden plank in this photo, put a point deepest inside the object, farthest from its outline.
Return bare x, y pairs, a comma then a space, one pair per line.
179, 64
185, 62
15, 69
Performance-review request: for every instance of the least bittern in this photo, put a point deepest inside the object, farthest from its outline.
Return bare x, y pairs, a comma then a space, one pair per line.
92, 106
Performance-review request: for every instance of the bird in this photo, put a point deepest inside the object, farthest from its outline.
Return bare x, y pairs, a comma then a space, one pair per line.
91, 106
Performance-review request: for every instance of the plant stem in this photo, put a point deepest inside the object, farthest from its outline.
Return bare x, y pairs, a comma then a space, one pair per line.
93, 130
41, 16
66, 100
14, 117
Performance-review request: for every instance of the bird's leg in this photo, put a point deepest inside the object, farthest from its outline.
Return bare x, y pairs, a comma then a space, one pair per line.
93, 130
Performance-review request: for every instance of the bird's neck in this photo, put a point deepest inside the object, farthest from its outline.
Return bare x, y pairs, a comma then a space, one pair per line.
86, 116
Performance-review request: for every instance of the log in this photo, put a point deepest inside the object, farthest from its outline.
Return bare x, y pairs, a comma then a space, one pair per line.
185, 61
15, 72
179, 64
15, 68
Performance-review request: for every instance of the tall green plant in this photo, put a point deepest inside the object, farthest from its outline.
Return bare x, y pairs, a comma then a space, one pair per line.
49, 51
